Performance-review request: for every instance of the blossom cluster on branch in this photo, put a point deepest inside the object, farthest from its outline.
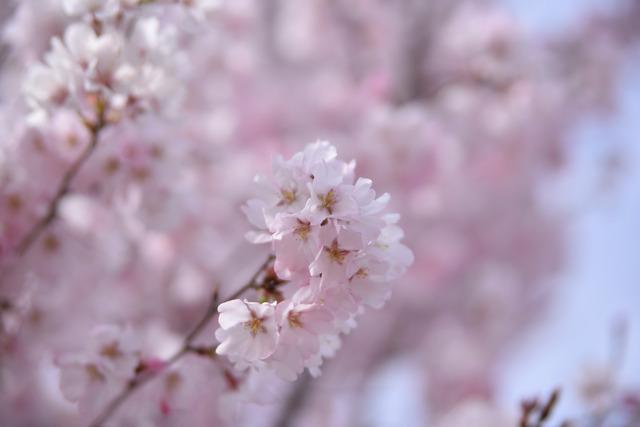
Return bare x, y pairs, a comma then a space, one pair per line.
336, 251
111, 56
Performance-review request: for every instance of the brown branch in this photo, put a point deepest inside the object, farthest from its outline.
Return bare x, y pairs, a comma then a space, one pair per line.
535, 413
144, 377
65, 184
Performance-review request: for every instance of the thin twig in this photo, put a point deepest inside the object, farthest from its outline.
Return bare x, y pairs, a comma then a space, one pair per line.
64, 186
186, 348
536, 413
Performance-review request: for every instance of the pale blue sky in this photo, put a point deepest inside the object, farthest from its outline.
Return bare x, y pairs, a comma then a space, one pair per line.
601, 282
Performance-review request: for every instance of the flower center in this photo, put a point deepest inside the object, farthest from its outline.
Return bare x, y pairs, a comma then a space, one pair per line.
294, 320
328, 201
14, 201
50, 243
111, 351
288, 197
303, 229
335, 253
111, 165
93, 372
362, 273
173, 380
255, 326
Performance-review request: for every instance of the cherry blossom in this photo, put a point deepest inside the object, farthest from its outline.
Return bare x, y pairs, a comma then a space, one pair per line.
132, 72
247, 330
92, 377
334, 266
130, 133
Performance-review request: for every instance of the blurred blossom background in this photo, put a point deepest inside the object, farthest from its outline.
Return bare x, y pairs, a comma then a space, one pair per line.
505, 131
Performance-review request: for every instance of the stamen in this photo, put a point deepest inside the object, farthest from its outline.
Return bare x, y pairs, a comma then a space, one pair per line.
288, 197
93, 372
362, 273
303, 229
111, 351
14, 201
254, 326
335, 253
328, 201
294, 320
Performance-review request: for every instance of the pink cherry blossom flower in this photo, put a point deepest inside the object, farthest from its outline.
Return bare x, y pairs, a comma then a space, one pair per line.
248, 330
300, 326
101, 370
334, 245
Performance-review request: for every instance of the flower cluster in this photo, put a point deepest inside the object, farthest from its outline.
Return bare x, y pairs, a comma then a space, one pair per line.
103, 369
109, 55
336, 251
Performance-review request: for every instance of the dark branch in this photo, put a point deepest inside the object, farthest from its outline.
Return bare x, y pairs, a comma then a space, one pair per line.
65, 185
145, 376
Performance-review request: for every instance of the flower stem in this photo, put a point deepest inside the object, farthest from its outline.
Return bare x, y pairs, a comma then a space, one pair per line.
186, 348
64, 187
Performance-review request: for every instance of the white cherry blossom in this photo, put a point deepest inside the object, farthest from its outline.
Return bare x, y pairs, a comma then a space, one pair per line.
247, 330
131, 70
336, 249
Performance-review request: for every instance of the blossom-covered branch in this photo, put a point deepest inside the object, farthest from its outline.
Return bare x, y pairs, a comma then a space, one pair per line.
104, 74
65, 183
144, 374
337, 248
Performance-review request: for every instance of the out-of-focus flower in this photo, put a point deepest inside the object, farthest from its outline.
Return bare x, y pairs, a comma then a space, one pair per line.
95, 375
597, 385
477, 413
99, 8
132, 72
